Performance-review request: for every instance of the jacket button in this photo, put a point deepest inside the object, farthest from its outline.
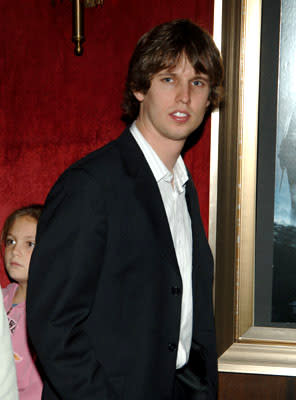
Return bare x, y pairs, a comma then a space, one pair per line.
176, 291
172, 347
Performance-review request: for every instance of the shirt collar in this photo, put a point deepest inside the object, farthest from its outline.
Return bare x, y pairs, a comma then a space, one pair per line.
157, 167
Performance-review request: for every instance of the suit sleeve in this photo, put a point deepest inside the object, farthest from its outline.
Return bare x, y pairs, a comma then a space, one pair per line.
203, 356
64, 272
199, 375
205, 318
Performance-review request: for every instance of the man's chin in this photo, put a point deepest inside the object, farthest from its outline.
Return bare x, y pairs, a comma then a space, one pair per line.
179, 136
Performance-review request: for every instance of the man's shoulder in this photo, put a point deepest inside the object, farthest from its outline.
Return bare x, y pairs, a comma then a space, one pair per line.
100, 158
107, 156
98, 167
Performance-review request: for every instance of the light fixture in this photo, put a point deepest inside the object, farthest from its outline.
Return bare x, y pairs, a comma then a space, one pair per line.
78, 21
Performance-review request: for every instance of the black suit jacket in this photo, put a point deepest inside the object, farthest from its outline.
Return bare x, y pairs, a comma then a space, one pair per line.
103, 302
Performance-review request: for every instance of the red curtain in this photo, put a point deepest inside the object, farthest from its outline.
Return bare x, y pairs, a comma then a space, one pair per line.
56, 107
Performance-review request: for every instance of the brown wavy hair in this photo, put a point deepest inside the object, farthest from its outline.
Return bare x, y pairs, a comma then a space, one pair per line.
161, 48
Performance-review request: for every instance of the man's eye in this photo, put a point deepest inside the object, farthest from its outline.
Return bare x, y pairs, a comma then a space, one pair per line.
167, 79
9, 242
197, 83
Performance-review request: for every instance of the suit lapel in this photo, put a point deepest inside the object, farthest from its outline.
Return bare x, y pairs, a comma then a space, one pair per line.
147, 192
193, 209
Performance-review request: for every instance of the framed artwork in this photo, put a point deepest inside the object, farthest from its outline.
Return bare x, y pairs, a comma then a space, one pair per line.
284, 222
255, 243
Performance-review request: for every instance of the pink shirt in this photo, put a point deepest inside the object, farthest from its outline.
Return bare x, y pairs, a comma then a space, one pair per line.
28, 379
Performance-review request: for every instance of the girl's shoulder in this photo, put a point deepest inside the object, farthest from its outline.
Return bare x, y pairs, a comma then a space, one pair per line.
8, 291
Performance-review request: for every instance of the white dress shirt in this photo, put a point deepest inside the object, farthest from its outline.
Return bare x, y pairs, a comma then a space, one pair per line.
8, 385
172, 189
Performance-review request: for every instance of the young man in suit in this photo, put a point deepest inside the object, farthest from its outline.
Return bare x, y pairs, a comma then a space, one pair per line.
120, 288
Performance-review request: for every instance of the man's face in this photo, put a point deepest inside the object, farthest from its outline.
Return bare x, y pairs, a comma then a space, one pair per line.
174, 105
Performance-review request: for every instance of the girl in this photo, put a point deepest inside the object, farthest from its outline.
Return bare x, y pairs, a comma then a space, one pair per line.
18, 239
8, 388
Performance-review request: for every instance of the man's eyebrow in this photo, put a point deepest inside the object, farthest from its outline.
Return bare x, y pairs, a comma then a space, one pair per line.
166, 72
198, 75
201, 76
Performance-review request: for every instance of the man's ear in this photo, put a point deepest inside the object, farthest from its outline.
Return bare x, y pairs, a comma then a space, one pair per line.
139, 96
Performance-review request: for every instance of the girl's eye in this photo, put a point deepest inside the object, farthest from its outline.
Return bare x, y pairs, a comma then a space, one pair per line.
9, 242
31, 244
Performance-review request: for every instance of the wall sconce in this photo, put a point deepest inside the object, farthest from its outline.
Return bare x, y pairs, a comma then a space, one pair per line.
78, 21
93, 3
78, 26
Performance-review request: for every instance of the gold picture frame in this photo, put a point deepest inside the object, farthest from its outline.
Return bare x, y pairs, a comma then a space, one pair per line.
242, 347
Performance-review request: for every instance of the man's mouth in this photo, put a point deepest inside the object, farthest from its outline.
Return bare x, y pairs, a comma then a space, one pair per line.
180, 116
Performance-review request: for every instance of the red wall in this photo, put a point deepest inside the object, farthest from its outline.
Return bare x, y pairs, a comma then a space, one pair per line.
56, 107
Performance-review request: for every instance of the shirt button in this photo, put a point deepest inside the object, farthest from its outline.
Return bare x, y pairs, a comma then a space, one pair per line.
172, 347
176, 291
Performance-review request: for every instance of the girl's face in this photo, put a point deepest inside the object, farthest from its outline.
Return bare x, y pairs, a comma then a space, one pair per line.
19, 245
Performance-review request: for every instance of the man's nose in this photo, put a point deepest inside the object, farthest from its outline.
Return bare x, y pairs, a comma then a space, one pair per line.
183, 93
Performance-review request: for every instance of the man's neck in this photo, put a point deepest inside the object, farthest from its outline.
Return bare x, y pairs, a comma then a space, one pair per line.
168, 156
167, 150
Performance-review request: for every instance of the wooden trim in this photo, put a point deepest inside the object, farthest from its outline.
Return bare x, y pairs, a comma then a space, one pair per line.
227, 177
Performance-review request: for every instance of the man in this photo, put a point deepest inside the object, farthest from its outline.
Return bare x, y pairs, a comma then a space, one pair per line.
120, 288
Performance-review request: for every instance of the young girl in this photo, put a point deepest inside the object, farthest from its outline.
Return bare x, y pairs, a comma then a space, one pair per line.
8, 388
18, 240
